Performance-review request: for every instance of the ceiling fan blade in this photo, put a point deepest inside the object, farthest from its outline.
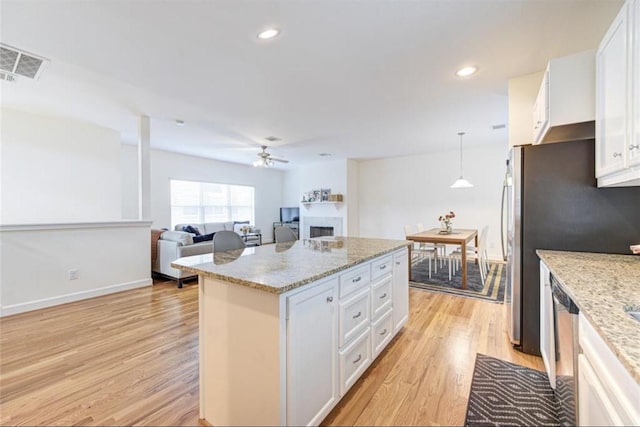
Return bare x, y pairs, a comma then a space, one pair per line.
279, 160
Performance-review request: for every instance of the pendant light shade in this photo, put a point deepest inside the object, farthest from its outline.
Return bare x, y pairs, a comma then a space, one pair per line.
461, 182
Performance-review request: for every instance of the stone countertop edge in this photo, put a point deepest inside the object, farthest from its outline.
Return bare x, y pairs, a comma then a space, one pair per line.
600, 285
297, 283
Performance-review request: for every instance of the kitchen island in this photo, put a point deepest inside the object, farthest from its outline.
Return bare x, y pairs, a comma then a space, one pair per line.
286, 329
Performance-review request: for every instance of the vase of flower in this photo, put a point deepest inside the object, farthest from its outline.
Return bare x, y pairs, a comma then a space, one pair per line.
446, 224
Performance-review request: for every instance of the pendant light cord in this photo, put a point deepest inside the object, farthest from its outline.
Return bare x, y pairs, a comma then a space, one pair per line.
461, 173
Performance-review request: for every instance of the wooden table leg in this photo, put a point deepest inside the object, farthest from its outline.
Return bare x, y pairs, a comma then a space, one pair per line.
410, 247
477, 253
463, 248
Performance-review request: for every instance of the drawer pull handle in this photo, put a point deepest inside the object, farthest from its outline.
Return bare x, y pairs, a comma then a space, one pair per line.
634, 147
383, 296
329, 299
617, 155
383, 266
397, 262
357, 279
383, 332
358, 359
357, 315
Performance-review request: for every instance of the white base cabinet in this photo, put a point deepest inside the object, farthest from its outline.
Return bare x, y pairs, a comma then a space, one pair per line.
607, 393
287, 359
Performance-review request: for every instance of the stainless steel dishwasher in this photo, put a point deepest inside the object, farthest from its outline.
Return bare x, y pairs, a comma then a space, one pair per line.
566, 349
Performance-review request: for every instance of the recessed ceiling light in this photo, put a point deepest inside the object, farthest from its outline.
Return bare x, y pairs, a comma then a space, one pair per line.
324, 154
269, 33
466, 71
179, 122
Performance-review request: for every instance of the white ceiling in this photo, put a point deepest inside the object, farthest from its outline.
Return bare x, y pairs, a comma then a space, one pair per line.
354, 78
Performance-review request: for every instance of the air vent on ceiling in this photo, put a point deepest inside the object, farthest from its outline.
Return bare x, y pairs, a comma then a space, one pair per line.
15, 62
501, 126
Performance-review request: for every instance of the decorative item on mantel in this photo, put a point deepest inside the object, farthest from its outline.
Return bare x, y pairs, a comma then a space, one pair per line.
321, 196
446, 226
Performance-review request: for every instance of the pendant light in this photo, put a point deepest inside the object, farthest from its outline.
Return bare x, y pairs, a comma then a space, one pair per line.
461, 182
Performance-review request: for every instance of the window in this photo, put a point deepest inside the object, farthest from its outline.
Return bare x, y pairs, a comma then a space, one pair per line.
199, 202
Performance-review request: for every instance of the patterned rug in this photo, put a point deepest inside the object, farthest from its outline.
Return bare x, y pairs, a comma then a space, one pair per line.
505, 394
491, 290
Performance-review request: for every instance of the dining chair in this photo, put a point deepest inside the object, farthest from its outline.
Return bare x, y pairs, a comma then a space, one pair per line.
227, 240
284, 234
422, 250
479, 253
441, 252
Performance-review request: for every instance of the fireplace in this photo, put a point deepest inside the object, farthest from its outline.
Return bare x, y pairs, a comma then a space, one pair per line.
315, 231
323, 226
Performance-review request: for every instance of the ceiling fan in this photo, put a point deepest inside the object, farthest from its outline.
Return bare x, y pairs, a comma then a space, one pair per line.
265, 160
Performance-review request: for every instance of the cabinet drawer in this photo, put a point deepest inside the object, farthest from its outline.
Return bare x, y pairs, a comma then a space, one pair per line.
380, 267
381, 298
355, 315
354, 279
382, 332
354, 360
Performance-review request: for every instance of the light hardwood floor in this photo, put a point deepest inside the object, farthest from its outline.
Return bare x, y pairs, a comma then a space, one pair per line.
132, 358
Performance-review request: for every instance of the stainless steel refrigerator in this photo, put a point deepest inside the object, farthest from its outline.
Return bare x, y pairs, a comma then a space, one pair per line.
551, 201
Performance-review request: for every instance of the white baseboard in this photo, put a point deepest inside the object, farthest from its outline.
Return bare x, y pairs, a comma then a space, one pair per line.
76, 296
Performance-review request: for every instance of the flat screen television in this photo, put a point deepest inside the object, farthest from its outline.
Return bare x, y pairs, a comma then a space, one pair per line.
289, 214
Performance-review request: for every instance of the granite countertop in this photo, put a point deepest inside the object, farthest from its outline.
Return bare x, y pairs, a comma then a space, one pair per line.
601, 285
282, 267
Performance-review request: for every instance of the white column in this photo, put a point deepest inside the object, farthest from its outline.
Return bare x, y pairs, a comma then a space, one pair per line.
144, 170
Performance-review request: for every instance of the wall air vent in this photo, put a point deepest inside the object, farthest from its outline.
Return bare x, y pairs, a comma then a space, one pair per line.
15, 62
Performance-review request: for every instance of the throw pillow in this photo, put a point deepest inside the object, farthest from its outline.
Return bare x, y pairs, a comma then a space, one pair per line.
203, 238
191, 229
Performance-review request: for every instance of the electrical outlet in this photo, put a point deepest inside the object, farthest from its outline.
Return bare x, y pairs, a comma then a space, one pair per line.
73, 274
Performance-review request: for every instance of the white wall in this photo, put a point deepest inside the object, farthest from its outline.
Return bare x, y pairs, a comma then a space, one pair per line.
268, 184
407, 190
61, 210
109, 257
57, 170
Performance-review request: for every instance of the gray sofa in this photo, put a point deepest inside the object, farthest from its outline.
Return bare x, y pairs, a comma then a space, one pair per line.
177, 244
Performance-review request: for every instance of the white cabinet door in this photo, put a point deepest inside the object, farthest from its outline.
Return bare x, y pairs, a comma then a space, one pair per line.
312, 354
633, 152
612, 89
547, 331
541, 110
595, 408
400, 292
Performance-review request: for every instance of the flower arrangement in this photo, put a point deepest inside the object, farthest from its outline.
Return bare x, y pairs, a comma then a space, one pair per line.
445, 221
245, 229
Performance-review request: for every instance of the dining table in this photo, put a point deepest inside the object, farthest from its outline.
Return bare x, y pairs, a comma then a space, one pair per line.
457, 236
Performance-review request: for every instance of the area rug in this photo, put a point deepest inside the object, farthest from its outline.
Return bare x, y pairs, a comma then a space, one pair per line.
505, 394
491, 290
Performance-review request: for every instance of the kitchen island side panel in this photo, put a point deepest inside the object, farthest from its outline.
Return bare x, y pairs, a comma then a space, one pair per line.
242, 355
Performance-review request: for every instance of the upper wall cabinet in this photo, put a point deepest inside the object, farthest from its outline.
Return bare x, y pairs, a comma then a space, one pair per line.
564, 109
618, 101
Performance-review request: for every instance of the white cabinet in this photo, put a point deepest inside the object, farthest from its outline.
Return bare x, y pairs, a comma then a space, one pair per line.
547, 330
312, 354
607, 393
541, 109
400, 293
564, 109
618, 100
